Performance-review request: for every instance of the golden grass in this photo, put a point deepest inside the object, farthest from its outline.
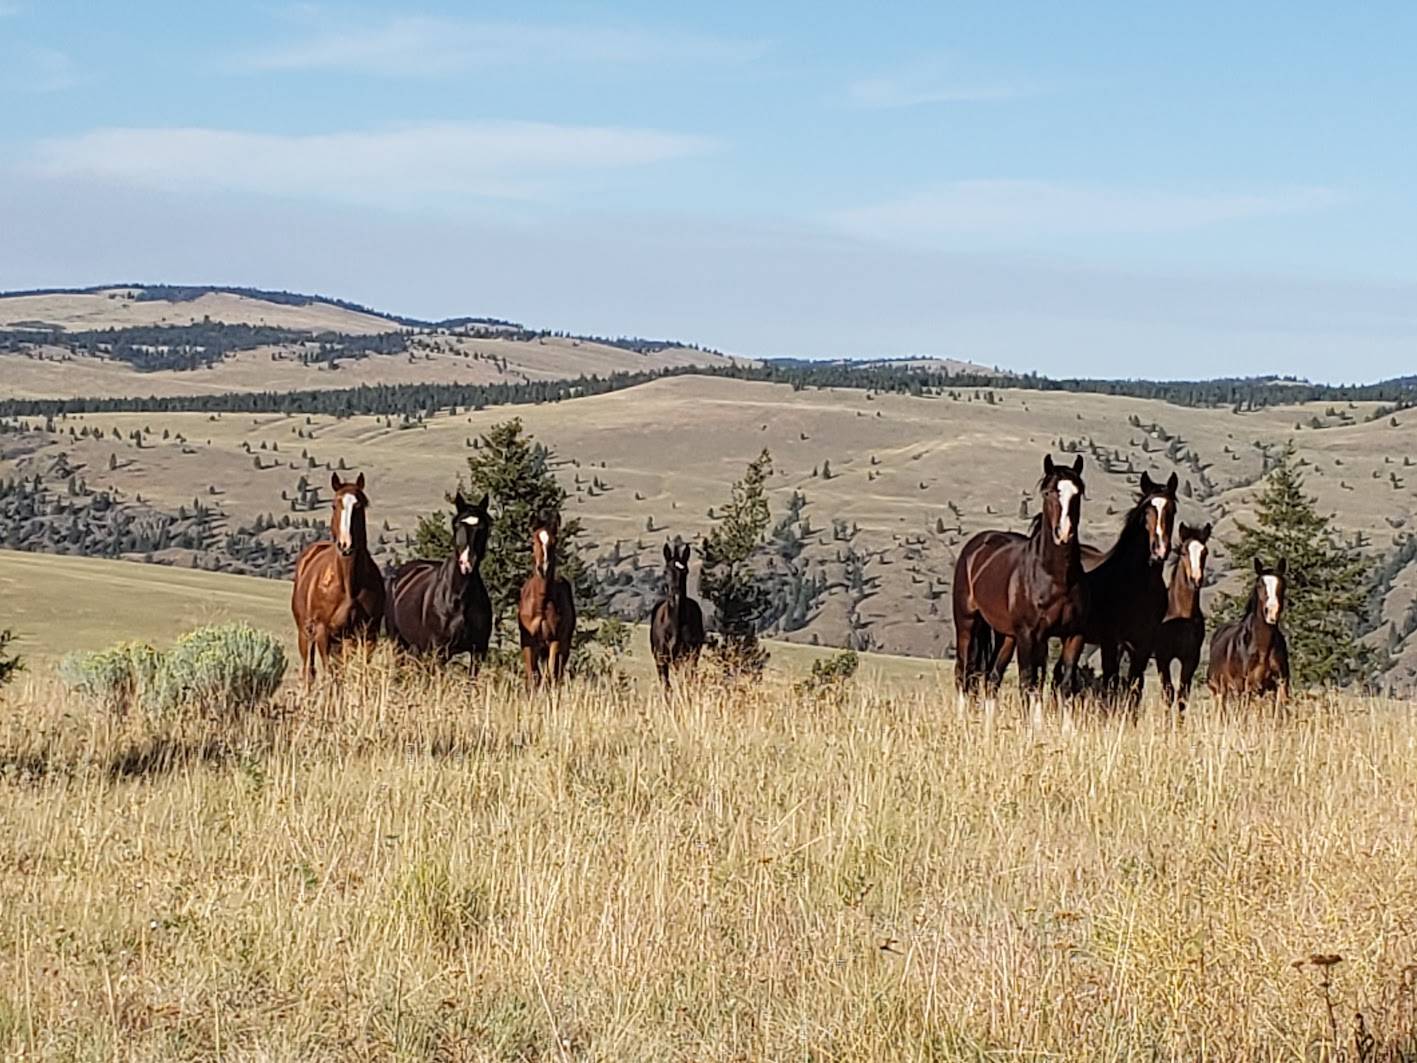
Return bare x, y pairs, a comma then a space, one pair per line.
414, 868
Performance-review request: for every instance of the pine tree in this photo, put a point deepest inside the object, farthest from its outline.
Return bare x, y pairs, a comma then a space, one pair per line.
516, 472
1325, 599
738, 597
8, 665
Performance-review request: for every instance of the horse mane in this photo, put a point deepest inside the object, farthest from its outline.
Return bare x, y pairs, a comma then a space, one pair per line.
1035, 524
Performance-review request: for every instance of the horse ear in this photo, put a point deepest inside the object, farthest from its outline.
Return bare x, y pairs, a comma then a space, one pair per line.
359, 482
1077, 464
668, 554
460, 502
1047, 464
684, 551
1171, 485
1205, 532
1259, 567
335, 481
1148, 485
1283, 566
1185, 531
483, 504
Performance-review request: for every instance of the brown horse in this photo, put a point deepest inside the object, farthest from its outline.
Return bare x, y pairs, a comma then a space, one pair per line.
1126, 586
1015, 591
1182, 632
1249, 657
339, 591
546, 611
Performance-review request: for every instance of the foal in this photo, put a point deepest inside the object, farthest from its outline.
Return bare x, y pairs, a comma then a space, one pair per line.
339, 592
546, 611
1180, 636
442, 607
676, 630
1250, 656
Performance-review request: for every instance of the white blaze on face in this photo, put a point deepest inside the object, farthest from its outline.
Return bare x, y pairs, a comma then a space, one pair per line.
1196, 551
465, 560
1271, 595
471, 522
346, 520
1067, 491
1162, 544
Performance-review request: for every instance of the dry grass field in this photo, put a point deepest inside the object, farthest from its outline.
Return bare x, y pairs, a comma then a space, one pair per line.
902, 469
412, 868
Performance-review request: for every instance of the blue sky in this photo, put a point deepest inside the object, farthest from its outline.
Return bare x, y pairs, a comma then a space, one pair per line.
1105, 189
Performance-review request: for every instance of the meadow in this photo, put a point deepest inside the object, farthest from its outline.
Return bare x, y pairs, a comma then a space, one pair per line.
413, 867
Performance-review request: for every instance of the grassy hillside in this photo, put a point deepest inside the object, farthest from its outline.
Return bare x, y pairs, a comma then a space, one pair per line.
909, 478
419, 870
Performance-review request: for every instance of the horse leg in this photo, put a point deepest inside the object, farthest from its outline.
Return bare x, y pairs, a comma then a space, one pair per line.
1000, 664
529, 659
1163, 672
1067, 666
555, 662
1111, 669
1030, 669
964, 656
322, 645
663, 667
1137, 661
307, 656
1188, 671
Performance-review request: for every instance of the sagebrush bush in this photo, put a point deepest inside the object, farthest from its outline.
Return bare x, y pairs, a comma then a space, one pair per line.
221, 667
224, 667
119, 678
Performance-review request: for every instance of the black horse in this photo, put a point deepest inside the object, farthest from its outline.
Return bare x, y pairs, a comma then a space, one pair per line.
442, 607
1019, 591
676, 629
1126, 589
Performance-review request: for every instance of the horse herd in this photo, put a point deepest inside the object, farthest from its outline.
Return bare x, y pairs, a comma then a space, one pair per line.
1013, 594
442, 608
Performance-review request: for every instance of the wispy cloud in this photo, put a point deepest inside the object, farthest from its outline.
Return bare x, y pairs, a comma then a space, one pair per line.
1009, 208
943, 80
885, 92
25, 68
401, 167
419, 46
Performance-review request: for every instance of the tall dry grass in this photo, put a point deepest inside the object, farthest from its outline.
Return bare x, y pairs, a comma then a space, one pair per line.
414, 868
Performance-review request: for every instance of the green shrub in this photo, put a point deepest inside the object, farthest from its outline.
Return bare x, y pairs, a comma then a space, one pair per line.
228, 667
221, 667
119, 678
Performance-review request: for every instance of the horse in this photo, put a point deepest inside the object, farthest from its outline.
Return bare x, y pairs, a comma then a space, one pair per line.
546, 610
1015, 591
442, 607
1183, 630
1126, 588
676, 629
339, 591
1250, 656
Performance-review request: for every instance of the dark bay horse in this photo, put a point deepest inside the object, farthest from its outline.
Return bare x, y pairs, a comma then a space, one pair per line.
339, 591
1249, 657
1183, 630
1015, 591
442, 607
676, 629
546, 610
1126, 588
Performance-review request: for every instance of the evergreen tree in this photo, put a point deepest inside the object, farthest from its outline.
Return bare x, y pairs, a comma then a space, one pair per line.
739, 598
516, 472
1325, 599
8, 665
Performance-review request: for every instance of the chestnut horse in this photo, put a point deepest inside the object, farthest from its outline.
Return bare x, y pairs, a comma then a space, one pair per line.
546, 611
1019, 591
1250, 656
442, 607
1126, 588
339, 591
1183, 630
676, 627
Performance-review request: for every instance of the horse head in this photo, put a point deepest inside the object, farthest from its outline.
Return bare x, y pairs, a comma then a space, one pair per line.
1270, 588
1062, 490
676, 572
1195, 551
471, 525
347, 526
1159, 502
543, 546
